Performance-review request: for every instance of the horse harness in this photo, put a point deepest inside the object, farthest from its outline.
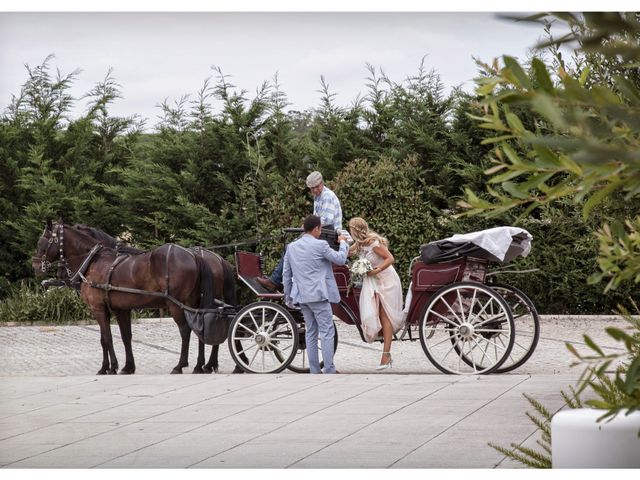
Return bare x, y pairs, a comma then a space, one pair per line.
107, 287
58, 237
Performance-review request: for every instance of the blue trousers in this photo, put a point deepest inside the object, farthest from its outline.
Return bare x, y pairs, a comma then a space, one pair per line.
318, 320
276, 276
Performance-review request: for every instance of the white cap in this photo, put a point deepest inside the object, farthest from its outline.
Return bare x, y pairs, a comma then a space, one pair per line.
314, 179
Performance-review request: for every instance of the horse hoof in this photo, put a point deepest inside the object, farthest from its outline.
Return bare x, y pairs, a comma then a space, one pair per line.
237, 370
207, 369
198, 370
102, 371
113, 371
176, 370
127, 371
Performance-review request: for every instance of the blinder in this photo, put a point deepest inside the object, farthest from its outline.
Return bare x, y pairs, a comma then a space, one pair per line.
57, 237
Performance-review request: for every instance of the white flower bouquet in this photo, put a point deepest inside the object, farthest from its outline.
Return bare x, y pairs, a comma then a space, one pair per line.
359, 269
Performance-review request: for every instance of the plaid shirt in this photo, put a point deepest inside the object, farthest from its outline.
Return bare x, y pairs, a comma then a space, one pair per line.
327, 207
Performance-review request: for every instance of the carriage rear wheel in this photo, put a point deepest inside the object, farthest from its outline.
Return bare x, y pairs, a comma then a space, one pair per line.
467, 321
527, 324
300, 363
263, 338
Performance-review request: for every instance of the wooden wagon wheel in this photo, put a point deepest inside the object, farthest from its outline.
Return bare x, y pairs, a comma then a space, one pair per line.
266, 334
467, 321
527, 327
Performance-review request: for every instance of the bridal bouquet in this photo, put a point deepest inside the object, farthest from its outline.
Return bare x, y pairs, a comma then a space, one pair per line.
359, 269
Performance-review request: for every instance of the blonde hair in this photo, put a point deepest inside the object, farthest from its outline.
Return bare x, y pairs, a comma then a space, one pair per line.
363, 235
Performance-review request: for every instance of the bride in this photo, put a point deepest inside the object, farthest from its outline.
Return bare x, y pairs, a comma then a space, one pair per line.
381, 294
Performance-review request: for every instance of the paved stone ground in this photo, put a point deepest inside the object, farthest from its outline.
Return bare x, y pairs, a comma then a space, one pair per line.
267, 421
75, 350
54, 412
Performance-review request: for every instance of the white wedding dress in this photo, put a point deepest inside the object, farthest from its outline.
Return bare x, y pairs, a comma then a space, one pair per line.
382, 290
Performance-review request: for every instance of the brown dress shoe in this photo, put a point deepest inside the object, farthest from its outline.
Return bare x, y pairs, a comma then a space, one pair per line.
267, 283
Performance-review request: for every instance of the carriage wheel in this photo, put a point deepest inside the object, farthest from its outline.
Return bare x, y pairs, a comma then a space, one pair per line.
527, 325
263, 338
300, 363
467, 321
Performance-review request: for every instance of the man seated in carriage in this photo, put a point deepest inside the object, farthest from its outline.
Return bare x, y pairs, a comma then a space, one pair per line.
326, 206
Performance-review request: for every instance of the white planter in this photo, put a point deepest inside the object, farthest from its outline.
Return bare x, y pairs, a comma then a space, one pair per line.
578, 441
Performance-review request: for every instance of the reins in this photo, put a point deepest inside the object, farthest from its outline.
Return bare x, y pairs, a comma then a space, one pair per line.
254, 241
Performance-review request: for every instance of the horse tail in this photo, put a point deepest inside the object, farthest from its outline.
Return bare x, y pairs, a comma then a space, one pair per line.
206, 283
229, 286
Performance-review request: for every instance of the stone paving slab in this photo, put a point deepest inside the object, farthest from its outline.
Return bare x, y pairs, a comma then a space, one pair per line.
55, 413
276, 421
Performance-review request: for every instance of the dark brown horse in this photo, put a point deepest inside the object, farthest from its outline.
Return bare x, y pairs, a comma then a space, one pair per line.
169, 270
216, 263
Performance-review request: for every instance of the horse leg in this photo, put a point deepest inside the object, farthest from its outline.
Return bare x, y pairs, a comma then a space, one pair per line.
200, 362
124, 322
109, 361
245, 360
185, 334
212, 364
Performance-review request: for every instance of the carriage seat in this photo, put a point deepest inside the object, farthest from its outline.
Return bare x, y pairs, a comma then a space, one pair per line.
249, 268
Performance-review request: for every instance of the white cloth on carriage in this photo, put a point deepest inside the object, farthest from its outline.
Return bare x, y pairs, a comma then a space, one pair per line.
385, 287
496, 240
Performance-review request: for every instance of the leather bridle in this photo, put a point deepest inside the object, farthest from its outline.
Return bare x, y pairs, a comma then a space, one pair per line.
57, 237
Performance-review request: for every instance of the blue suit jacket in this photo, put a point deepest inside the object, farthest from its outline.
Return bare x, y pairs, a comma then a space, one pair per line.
308, 276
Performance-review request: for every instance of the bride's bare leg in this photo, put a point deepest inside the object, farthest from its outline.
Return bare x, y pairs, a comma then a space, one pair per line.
387, 334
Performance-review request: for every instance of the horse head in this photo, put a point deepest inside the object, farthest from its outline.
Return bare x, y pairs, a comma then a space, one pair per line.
49, 249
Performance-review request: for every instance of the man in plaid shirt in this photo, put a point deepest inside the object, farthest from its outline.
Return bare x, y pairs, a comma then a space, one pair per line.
326, 206
325, 203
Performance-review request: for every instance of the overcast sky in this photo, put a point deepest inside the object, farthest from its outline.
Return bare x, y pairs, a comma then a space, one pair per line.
165, 55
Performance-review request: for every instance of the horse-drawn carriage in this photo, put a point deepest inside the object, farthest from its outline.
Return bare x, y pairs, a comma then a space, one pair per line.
465, 324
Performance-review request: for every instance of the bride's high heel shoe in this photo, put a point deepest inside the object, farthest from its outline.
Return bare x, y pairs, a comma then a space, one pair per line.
384, 366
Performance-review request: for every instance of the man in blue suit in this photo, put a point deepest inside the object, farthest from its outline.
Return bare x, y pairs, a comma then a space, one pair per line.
309, 282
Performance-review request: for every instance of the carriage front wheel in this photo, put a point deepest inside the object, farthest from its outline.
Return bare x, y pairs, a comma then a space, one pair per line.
263, 338
467, 328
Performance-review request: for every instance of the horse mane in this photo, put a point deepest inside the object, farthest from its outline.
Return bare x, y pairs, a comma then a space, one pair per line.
107, 240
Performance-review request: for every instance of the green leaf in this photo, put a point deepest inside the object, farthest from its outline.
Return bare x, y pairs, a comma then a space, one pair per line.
545, 157
598, 197
573, 350
570, 165
513, 190
488, 141
632, 382
592, 345
484, 90
583, 75
542, 75
628, 89
599, 404
503, 177
536, 181
544, 106
618, 334
512, 155
514, 122
514, 67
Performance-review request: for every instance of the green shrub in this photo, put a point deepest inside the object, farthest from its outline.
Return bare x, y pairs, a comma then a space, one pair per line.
396, 199
30, 303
